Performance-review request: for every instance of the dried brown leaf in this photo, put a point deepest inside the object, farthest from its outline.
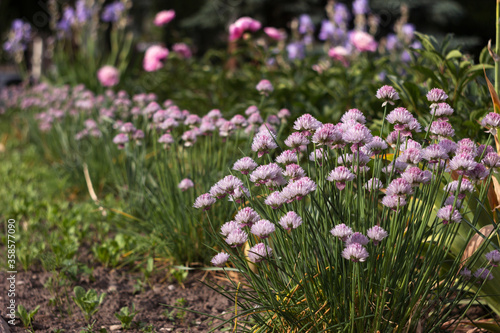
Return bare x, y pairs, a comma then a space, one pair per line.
476, 241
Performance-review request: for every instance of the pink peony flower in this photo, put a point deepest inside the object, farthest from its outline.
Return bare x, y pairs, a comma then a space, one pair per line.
339, 53
241, 25
154, 57
183, 50
363, 41
108, 76
164, 17
274, 33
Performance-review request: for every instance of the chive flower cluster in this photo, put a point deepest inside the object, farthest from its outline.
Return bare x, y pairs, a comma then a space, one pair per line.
357, 157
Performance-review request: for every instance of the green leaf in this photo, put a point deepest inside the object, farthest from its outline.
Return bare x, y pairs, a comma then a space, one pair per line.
79, 292
454, 54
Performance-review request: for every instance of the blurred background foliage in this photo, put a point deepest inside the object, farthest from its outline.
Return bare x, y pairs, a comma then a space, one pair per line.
204, 23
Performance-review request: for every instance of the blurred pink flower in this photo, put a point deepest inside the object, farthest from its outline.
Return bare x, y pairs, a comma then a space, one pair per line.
108, 76
274, 33
363, 41
241, 25
154, 57
183, 50
164, 17
339, 53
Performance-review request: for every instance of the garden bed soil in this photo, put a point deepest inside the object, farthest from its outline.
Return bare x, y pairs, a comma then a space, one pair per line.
120, 292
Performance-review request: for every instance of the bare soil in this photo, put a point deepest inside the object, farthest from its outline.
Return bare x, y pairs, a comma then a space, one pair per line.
149, 301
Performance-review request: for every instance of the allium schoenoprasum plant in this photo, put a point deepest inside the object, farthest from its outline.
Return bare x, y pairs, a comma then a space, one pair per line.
155, 156
348, 231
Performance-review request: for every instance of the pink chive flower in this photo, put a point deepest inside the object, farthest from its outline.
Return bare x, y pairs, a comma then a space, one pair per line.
483, 150
220, 259
462, 162
287, 157
298, 189
341, 231
399, 187
226, 129
185, 184
491, 160
357, 237
245, 165
326, 135
411, 156
229, 227
388, 94
237, 238
274, 33
442, 111
363, 41
373, 184
275, 200
154, 57
491, 121
127, 128
466, 146
251, 110
264, 87
358, 135
294, 171
441, 130
400, 117
393, 201
436, 95
296, 139
414, 176
466, 273
353, 114
240, 195
265, 173
120, 140
317, 156
376, 234
262, 228
433, 153
182, 50
164, 17
246, 217
138, 135
284, 113
451, 200
290, 220
307, 123
255, 118
493, 257
166, 139
340, 175
465, 186
374, 147
204, 201
259, 252
483, 274
477, 174
225, 186
189, 138
355, 252
192, 120
448, 214
339, 53
449, 146
263, 143
108, 76
239, 121
169, 124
